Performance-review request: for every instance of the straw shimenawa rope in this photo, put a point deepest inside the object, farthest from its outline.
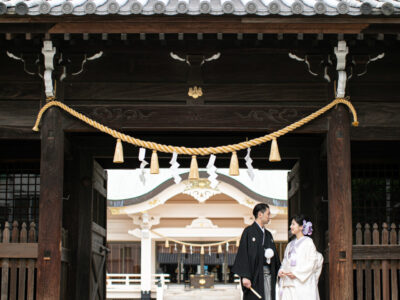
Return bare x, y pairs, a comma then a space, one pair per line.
196, 245
196, 151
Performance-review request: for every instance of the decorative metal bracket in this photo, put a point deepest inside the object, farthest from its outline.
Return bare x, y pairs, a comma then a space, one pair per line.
366, 62
341, 52
195, 62
84, 61
305, 60
188, 58
60, 65
23, 60
317, 61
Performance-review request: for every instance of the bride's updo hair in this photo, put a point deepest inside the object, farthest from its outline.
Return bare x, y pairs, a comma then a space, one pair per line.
299, 219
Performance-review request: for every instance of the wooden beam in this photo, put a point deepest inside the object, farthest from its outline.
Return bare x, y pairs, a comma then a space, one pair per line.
50, 207
377, 121
190, 24
375, 133
16, 133
340, 209
15, 19
205, 27
379, 252
171, 93
18, 250
227, 118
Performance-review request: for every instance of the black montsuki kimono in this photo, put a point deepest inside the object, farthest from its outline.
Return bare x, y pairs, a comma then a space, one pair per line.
249, 262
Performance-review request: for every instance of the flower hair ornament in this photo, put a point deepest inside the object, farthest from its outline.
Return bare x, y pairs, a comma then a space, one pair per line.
307, 228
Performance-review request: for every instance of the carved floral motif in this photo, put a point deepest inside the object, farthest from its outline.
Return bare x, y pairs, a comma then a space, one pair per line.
119, 114
274, 115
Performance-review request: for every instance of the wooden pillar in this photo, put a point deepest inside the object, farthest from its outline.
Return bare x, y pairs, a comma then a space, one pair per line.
339, 195
84, 216
202, 258
50, 207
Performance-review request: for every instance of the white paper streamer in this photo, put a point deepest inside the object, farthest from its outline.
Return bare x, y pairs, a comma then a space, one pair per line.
212, 171
174, 168
143, 164
249, 161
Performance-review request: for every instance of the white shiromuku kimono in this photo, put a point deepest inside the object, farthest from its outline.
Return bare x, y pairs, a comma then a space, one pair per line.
303, 260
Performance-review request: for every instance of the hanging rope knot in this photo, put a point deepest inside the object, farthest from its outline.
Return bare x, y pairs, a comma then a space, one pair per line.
346, 101
196, 151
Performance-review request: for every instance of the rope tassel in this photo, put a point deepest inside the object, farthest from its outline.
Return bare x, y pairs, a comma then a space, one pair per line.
194, 169
166, 243
234, 166
219, 249
202, 250
154, 166
119, 153
183, 249
274, 153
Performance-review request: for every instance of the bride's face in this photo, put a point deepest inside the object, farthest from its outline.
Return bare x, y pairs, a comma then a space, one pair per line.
295, 228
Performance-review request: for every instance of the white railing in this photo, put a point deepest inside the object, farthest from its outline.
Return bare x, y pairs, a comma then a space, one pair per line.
121, 285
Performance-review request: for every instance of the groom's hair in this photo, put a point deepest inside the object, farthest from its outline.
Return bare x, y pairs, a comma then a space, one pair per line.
260, 207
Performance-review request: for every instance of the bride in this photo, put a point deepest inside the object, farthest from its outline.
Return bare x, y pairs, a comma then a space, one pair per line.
301, 266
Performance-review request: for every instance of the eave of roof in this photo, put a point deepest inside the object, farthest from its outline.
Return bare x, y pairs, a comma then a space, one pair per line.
200, 7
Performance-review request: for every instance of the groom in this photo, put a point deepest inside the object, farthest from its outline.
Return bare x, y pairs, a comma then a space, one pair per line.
251, 263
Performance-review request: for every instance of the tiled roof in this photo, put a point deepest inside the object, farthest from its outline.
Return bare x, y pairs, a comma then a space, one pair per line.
198, 7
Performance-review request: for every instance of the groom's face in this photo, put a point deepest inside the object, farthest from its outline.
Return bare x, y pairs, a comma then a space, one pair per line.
264, 217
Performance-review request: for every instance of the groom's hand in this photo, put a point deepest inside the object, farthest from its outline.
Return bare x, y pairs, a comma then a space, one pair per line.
246, 283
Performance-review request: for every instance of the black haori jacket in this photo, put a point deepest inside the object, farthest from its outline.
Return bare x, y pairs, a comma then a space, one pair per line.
249, 262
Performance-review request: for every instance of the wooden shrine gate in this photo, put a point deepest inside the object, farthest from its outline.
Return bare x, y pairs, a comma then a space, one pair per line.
251, 87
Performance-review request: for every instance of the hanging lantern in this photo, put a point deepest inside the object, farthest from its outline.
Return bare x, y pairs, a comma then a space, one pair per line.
209, 250
175, 248
191, 250
166, 243
154, 166
237, 243
183, 249
194, 169
219, 249
202, 250
274, 153
234, 166
227, 247
119, 153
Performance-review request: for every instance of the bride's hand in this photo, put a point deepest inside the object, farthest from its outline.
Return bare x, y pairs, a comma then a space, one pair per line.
281, 273
290, 275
